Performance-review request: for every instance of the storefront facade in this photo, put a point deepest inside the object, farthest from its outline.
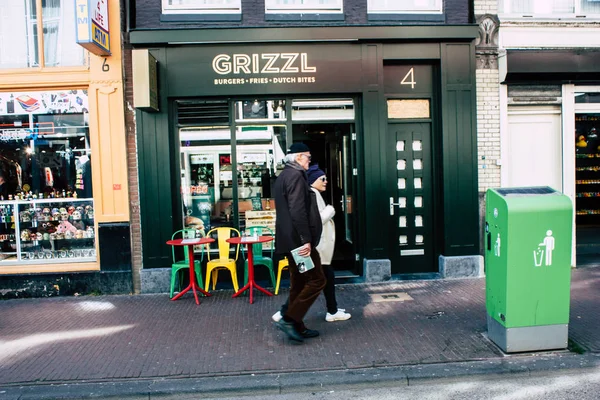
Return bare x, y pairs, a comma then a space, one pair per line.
64, 206
543, 105
391, 123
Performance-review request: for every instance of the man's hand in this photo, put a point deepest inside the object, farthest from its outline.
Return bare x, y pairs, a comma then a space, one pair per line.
305, 251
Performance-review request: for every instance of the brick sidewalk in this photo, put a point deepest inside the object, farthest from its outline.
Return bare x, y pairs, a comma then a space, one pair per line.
115, 337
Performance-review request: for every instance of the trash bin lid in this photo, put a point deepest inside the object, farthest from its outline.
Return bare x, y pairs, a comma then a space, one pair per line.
527, 191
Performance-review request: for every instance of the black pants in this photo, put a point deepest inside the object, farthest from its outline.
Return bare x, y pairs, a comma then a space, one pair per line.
328, 291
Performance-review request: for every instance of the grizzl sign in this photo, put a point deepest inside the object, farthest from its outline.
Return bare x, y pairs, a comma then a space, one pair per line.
266, 63
239, 70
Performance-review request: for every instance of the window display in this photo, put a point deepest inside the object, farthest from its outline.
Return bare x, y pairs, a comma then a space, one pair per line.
46, 203
587, 168
40, 231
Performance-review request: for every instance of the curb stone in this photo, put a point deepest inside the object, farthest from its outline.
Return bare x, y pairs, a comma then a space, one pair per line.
293, 382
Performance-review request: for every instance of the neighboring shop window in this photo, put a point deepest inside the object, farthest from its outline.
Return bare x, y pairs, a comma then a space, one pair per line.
529, 8
46, 204
409, 6
294, 6
587, 163
201, 6
22, 26
209, 168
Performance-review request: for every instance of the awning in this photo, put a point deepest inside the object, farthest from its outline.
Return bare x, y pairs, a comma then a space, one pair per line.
553, 65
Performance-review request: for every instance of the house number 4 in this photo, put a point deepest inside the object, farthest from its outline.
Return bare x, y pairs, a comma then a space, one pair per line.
409, 75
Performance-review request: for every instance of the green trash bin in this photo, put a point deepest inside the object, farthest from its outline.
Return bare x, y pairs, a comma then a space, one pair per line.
528, 268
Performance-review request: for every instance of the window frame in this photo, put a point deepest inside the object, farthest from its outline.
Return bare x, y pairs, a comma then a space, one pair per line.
272, 8
201, 9
577, 14
371, 10
36, 59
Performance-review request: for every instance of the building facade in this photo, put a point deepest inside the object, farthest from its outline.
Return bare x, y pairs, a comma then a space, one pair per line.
64, 203
384, 96
537, 78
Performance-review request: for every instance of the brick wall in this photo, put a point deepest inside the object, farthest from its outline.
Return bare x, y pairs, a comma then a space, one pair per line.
486, 7
134, 194
488, 128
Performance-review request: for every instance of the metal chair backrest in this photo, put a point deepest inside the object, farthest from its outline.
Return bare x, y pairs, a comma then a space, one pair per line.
224, 233
185, 234
259, 230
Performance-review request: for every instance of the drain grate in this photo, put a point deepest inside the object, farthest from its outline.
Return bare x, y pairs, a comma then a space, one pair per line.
398, 296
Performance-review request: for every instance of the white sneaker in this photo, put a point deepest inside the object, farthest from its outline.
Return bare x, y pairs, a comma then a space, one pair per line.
277, 316
340, 315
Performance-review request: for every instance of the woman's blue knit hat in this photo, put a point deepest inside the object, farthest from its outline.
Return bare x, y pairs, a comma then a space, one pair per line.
314, 173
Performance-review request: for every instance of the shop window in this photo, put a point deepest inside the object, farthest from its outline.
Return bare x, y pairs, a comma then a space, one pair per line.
587, 98
410, 6
587, 168
322, 110
21, 30
209, 168
260, 110
46, 199
201, 6
541, 8
303, 6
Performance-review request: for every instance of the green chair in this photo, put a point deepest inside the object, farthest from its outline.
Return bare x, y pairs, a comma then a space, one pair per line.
177, 266
257, 252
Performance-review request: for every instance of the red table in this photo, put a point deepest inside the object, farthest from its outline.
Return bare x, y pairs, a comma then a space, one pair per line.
190, 243
250, 241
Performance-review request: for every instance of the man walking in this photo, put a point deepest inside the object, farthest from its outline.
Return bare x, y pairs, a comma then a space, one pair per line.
298, 224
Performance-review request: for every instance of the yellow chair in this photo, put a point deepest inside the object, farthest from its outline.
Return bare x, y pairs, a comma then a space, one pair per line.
223, 262
283, 264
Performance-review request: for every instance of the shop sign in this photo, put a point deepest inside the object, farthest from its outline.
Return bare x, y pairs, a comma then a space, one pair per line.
92, 26
264, 69
51, 102
145, 80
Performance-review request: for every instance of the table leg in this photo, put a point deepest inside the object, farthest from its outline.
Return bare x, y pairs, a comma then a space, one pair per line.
251, 284
193, 283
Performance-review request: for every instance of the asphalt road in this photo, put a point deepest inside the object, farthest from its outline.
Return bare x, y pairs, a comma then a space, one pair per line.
573, 384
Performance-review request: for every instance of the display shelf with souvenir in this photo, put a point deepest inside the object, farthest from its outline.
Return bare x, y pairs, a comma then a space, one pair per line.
587, 168
47, 230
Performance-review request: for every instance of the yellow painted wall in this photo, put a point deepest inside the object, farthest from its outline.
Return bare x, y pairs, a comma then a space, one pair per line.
107, 117
107, 128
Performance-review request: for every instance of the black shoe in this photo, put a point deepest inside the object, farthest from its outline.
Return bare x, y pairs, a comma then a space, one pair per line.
309, 333
289, 329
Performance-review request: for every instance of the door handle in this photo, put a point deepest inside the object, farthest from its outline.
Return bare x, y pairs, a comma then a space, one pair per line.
392, 204
343, 205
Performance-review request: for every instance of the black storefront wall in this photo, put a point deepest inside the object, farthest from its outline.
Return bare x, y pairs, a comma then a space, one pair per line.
325, 69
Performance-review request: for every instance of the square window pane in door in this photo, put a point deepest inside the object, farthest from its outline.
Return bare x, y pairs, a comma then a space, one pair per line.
403, 240
402, 221
400, 145
401, 165
418, 183
401, 183
417, 164
418, 201
418, 220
